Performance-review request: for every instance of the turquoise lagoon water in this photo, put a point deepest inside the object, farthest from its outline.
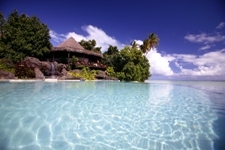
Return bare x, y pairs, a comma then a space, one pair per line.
103, 115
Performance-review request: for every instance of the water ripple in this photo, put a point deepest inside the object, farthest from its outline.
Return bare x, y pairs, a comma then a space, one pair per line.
105, 115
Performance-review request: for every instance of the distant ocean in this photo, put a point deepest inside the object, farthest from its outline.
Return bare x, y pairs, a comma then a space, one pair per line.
216, 92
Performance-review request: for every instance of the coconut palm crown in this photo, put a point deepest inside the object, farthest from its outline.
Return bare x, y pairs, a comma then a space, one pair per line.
151, 42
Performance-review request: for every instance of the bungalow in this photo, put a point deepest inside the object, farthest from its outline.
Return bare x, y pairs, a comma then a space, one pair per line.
85, 58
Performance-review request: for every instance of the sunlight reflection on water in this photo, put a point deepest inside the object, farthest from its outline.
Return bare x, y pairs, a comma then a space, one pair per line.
105, 115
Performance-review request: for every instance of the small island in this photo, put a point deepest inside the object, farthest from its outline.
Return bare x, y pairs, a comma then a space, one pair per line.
27, 53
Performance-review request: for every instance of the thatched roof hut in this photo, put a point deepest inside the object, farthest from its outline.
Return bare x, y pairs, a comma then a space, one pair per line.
71, 45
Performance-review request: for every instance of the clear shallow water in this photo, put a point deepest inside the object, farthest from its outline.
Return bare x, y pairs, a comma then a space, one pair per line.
111, 115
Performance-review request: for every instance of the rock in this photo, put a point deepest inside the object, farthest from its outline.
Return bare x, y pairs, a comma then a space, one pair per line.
100, 75
38, 74
6, 75
75, 71
45, 68
64, 72
59, 68
66, 76
32, 62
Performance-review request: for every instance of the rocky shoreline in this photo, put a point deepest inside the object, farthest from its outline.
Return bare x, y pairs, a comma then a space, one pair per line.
46, 69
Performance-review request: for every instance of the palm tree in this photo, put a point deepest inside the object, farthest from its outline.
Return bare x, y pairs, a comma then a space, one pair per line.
151, 42
134, 44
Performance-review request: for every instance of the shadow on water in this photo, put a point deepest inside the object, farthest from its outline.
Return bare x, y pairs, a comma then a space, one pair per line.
219, 144
3, 141
219, 105
216, 94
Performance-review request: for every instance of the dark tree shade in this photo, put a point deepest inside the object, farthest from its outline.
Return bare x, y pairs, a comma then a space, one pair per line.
23, 36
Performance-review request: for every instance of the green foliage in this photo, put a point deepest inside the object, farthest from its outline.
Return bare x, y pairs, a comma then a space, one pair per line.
128, 64
72, 62
7, 66
85, 73
110, 72
88, 74
90, 45
23, 36
22, 71
109, 55
111, 50
75, 74
149, 43
2, 22
120, 75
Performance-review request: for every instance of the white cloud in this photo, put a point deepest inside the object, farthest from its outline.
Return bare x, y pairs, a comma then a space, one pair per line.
208, 64
221, 25
184, 57
76, 36
159, 64
178, 65
57, 37
139, 42
102, 39
204, 38
205, 47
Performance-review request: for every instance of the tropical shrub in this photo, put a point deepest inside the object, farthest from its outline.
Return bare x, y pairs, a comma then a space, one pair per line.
128, 64
6, 66
88, 74
23, 71
110, 72
72, 62
85, 73
21, 36
90, 45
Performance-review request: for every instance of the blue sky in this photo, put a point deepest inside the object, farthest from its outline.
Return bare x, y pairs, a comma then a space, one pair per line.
192, 33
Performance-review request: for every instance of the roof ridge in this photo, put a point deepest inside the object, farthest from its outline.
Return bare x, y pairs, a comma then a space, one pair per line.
72, 43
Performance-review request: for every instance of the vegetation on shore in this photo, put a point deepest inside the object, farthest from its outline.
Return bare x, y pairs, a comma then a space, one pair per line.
90, 45
5, 66
85, 73
21, 36
128, 64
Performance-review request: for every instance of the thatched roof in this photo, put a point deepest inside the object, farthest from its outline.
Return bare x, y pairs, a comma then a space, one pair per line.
71, 45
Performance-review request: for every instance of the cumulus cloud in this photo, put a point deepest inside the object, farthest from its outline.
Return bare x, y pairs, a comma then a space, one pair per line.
102, 39
205, 38
211, 64
221, 25
139, 42
76, 36
159, 64
208, 64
